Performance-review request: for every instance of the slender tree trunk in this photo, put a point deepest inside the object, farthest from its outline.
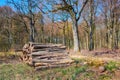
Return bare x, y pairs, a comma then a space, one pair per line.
107, 31
116, 33
32, 23
92, 25
91, 46
64, 39
42, 29
112, 32
117, 39
42, 34
32, 31
68, 35
9, 33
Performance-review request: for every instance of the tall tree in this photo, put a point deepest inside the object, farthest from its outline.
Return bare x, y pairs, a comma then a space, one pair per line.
74, 9
6, 14
26, 9
89, 18
110, 9
92, 24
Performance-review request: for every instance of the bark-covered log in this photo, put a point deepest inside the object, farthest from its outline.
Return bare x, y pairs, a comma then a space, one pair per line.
51, 66
41, 53
45, 60
45, 55
49, 50
48, 46
50, 56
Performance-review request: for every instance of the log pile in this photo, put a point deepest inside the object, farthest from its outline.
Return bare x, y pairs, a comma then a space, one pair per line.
45, 55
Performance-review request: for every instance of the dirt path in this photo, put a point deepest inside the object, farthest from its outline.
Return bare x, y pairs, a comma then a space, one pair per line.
79, 56
104, 55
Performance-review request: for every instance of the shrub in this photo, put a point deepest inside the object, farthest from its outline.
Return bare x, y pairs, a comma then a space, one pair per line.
111, 66
104, 77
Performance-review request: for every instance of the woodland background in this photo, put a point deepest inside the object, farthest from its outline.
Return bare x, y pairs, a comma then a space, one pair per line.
51, 21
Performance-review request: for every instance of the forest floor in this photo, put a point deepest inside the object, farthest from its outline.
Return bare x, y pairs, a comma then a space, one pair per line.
102, 54
102, 64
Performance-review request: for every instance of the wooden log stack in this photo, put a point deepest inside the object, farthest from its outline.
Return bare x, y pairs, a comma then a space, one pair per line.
46, 55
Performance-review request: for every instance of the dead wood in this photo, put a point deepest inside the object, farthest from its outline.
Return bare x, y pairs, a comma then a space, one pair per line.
45, 55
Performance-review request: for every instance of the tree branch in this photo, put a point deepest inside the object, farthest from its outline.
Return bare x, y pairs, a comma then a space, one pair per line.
82, 9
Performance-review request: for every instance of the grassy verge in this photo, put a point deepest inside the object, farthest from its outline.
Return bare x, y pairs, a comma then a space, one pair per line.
74, 72
82, 69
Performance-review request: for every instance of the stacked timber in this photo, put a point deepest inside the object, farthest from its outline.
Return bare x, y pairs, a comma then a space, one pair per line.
45, 55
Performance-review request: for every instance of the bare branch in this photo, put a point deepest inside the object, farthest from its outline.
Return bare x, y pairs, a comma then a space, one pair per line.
82, 9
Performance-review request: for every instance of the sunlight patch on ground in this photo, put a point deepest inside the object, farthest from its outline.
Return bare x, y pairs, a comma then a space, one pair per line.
91, 58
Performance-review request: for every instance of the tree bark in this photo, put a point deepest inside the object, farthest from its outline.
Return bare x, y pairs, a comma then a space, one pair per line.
91, 46
64, 39
32, 31
92, 25
32, 23
75, 35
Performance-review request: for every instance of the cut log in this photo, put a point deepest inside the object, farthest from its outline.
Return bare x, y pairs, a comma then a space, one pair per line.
49, 56
51, 66
41, 64
45, 55
48, 46
53, 63
44, 60
49, 50
41, 53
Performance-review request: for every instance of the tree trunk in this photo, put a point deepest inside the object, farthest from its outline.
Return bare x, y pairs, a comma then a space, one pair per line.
32, 31
68, 35
91, 46
64, 39
92, 25
117, 39
9, 33
107, 31
32, 23
75, 35
42, 29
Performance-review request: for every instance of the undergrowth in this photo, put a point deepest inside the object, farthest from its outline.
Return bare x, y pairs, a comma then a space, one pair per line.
77, 71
